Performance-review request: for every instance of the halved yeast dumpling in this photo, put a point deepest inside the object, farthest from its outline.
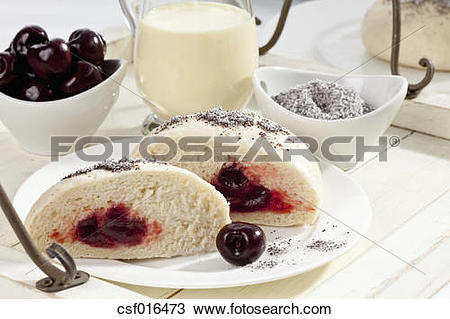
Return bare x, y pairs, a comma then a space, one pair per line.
276, 190
129, 209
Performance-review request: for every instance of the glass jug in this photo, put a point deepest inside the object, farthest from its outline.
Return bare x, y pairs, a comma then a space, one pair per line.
194, 55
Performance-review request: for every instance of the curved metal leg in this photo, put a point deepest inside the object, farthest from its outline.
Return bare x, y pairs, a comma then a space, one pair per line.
72, 277
413, 89
57, 279
279, 29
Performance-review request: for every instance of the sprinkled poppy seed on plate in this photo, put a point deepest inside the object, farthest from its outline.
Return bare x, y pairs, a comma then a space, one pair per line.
323, 100
325, 245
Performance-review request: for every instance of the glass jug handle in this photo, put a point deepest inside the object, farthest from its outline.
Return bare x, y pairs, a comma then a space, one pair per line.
129, 16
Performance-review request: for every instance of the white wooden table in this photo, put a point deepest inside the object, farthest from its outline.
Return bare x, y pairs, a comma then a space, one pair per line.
411, 217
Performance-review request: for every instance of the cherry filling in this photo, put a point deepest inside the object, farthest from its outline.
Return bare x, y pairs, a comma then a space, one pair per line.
116, 227
245, 195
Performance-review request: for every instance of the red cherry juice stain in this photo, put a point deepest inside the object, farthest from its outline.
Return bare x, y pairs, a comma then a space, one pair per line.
58, 237
110, 227
117, 226
278, 204
245, 194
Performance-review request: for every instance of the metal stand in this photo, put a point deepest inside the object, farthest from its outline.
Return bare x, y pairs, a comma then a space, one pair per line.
57, 279
413, 89
279, 29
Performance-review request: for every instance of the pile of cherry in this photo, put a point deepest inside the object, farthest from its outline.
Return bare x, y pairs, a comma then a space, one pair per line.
34, 68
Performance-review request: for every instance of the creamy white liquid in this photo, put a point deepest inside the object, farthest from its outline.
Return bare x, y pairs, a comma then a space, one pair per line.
195, 55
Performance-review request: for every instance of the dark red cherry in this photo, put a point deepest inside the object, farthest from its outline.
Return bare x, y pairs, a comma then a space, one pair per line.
7, 90
241, 243
36, 91
88, 232
241, 193
117, 227
50, 60
25, 38
124, 228
85, 77
13, 88
257, 197
88, 45
29, 74
233, 178
7, 67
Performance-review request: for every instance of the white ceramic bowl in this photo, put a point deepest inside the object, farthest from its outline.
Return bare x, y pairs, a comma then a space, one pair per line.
33, 123
385, 93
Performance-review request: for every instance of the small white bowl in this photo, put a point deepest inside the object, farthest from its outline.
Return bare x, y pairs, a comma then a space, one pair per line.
33, 123
385, 93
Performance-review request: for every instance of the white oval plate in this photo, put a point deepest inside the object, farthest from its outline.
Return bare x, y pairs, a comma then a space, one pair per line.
345, 216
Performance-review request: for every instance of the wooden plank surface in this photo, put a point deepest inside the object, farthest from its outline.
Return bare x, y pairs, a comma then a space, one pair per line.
422, 241
15, 289
443, 292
